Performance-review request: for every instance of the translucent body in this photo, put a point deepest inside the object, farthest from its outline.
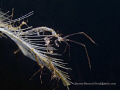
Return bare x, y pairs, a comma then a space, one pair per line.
35, 44
29, 42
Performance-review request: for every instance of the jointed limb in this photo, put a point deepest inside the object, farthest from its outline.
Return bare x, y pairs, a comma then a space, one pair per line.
85, 51
80, 33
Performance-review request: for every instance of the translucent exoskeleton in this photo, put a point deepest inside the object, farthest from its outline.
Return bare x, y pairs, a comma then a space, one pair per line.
36, 44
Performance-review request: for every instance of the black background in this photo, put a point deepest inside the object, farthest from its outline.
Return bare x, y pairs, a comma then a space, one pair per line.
99, 19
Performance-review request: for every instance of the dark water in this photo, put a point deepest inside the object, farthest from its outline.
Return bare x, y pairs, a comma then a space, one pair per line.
99, 19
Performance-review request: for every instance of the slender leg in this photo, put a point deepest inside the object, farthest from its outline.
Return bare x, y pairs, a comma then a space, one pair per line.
80, 33
41, 73
66, 47
40, 66
35, 73
85, 51
16, 51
